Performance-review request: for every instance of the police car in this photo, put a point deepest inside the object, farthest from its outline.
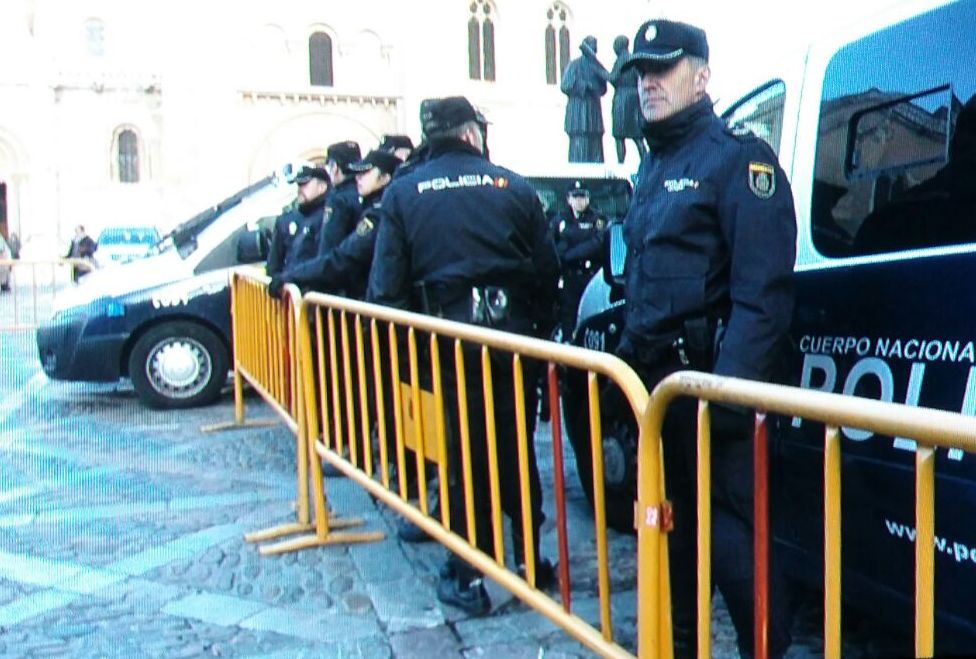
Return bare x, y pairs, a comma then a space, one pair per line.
876, 129
164, 320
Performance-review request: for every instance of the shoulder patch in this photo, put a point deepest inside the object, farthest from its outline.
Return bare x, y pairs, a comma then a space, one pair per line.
364, 227
762, 179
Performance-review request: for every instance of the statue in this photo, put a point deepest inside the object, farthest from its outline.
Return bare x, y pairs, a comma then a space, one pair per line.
584, 83
626, 106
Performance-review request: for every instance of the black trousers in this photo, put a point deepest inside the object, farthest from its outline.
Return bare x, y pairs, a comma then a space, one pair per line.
732, 520
507, 447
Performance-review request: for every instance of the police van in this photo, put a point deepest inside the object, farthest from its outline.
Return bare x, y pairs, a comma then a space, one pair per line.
876, 128
164, 320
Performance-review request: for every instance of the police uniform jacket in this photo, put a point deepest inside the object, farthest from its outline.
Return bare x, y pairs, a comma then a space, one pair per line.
579, 240
342, 209
282, 235
457, 221
345, 268
711, 233
305, 241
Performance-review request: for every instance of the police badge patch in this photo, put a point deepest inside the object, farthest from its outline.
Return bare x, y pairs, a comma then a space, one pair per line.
364, 227
762, 179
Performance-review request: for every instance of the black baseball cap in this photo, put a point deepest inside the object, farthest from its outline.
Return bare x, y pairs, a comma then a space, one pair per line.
344, 154
442, 114
307, 173
385, 161
578, 189
391, 142
661, 43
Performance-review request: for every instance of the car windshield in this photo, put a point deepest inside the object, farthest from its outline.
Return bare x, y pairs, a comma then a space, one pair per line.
128, 236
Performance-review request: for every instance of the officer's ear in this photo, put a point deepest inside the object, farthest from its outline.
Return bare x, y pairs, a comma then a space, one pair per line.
701, 77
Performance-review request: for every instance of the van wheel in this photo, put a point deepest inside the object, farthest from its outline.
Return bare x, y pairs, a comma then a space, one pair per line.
619, 446
177, 365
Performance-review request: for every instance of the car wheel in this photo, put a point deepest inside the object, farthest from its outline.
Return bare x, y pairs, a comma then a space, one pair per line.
619, 445
177, 365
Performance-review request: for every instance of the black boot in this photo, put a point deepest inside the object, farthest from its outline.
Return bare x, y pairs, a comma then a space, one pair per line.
545, 574
463, 592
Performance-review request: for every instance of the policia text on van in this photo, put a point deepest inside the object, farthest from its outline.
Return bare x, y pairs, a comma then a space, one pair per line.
875, 127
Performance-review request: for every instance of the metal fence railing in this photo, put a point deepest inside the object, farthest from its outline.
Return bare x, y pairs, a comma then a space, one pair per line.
34, 285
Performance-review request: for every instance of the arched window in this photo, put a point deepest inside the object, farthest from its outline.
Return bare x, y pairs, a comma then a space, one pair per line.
320, 59
557, 42
127, 156
481, 41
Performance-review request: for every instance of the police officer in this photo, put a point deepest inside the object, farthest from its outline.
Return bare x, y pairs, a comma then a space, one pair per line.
711, 235
467, 240
344, 269
399, 145
342, 208
299, 223
579, 241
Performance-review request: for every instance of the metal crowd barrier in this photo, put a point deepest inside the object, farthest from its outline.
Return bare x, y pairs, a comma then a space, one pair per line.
34, 285
930, 428
265, 347
367, 393
359, 360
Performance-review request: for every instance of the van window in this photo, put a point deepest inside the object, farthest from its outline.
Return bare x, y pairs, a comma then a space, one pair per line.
224, 255
896, 144
761, 112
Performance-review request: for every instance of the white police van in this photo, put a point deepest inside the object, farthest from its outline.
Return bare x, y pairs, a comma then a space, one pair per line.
164, 320
875, 128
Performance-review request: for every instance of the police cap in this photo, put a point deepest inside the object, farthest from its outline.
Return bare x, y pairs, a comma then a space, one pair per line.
385, 161
438, 115
661, 43
307, 173
344, 154
392, 142
578, 189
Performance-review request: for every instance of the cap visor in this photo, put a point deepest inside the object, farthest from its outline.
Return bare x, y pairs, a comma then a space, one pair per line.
654, 61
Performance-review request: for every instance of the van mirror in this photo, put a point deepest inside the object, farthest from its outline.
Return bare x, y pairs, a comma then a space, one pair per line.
614, 254
889, 138
252, 245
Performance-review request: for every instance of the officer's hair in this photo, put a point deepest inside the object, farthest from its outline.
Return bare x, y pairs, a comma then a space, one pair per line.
697, 62
457, 132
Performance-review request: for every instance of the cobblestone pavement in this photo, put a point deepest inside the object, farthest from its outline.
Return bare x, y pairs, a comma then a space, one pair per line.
121, 536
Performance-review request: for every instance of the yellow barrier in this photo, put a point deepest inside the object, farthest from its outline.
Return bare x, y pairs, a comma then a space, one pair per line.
930, 428
266, 345
381, 392
34, 286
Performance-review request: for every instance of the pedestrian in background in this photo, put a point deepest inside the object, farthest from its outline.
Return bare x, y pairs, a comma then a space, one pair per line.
477, 254
82, 247
711, 233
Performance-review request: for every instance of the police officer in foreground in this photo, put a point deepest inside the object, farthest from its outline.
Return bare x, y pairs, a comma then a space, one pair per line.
711, 235
579, 242
294, 236
344, 269
467, 240
342, 208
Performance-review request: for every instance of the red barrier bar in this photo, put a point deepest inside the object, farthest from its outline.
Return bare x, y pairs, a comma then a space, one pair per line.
560, 485
760, 471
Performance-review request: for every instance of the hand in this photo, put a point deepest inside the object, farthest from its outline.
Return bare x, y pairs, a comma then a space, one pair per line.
276, 286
